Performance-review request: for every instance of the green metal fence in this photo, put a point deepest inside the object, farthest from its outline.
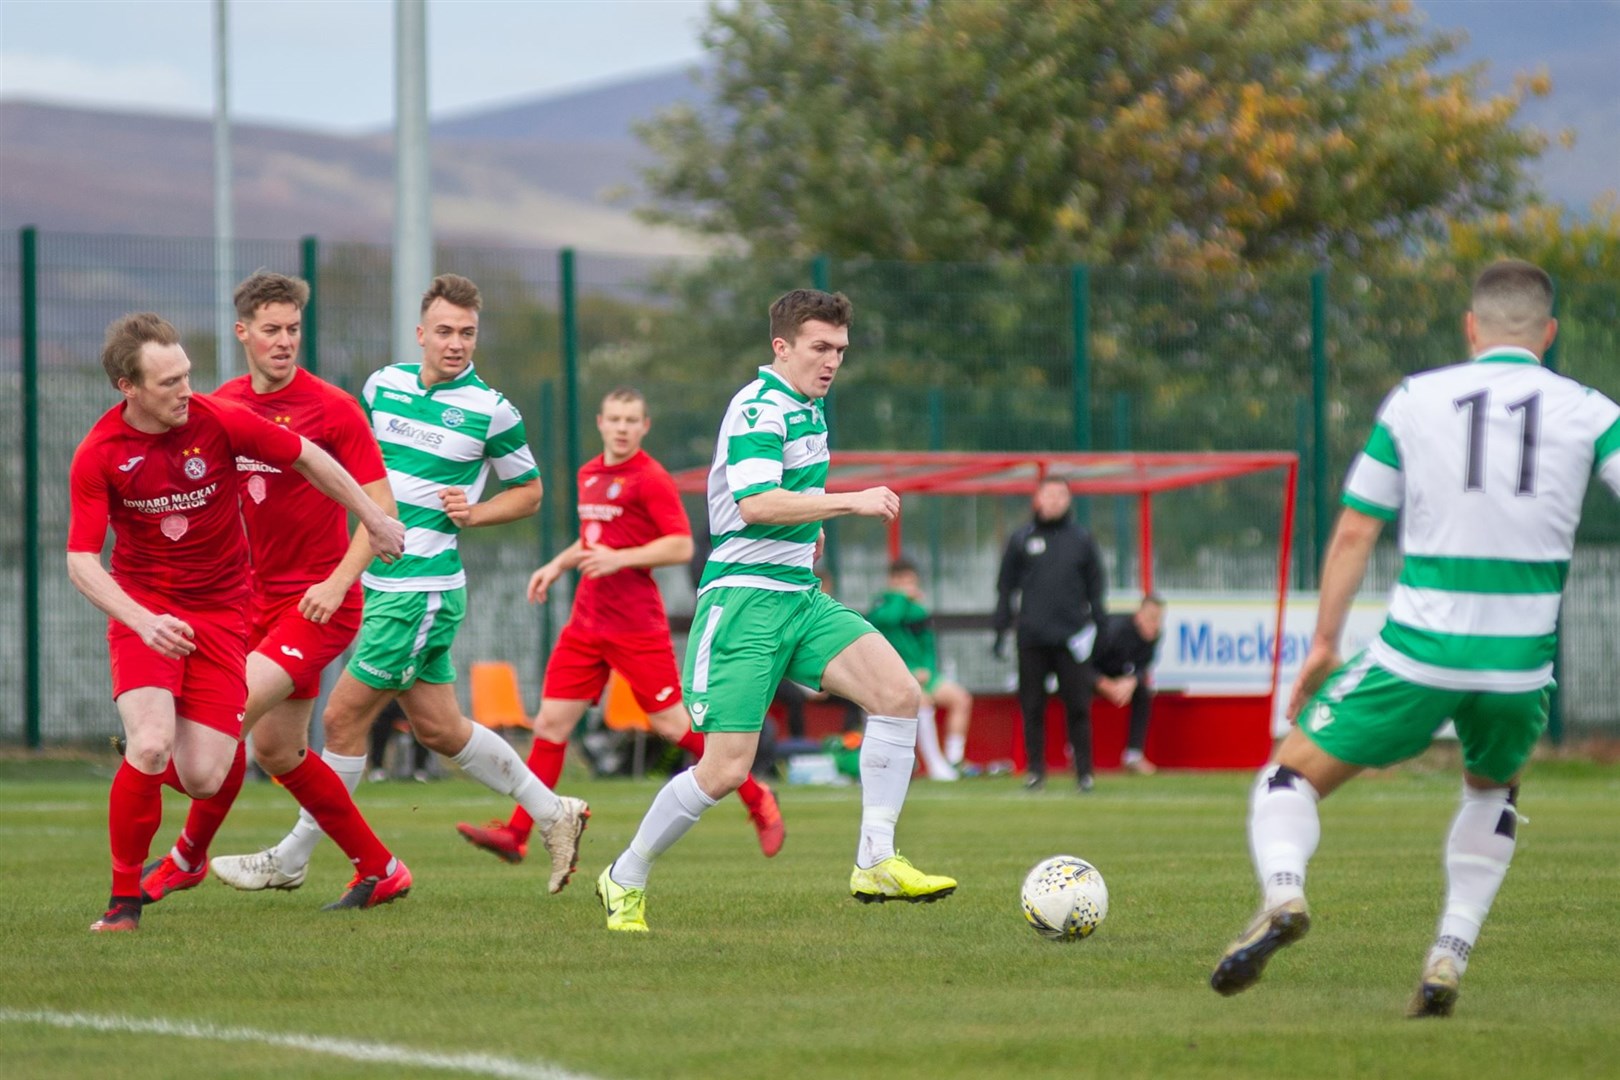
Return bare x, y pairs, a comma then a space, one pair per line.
958, 357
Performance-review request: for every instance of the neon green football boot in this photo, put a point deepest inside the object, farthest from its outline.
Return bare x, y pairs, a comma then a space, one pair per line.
896, 879
626, 908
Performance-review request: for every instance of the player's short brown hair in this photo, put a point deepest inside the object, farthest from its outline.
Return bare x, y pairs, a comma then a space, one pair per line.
265, 287
455, 290
792, 310
902, 565
1513, 297
625, 393
121, 352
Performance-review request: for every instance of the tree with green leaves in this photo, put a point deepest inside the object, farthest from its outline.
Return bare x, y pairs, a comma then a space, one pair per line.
1186, 134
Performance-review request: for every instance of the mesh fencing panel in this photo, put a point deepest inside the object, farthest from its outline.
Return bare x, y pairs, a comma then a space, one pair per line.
948, 356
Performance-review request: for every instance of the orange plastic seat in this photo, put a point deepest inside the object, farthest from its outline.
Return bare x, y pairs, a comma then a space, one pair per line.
497, 700
620, 710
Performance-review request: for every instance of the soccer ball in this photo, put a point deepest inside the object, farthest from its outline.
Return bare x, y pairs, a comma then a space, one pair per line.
1065, 898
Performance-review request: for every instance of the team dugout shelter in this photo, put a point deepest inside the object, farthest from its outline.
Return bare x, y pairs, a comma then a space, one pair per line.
1190, 728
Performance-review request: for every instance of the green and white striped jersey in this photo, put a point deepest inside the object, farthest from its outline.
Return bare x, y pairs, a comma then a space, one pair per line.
772, 437
1486, 464
452, 435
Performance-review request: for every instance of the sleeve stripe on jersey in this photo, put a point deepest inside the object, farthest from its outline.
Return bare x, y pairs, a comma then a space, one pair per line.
1607, 443
755, 446
1456, 574
516, 467
1383, 513
506, 442
753, 472
739, 494
1471, 652
1381, 447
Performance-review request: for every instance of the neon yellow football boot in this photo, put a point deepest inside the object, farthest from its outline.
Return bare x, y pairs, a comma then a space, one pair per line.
896, 879
626, 908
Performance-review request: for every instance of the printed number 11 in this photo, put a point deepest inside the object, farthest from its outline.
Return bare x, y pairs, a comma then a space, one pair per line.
1529, 410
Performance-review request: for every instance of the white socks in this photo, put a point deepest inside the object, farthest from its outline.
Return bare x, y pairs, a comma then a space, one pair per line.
888, 755
1478, 852
928, 746
1283, 832
491, 761
297, 846
674, 810
955, 748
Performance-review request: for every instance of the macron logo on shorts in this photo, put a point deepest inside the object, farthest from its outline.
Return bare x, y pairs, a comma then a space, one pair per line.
288, 650
699, 710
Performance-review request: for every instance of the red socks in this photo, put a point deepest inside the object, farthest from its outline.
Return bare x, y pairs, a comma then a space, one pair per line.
750, 793
207, 815
546, 762
134, 811
320, 791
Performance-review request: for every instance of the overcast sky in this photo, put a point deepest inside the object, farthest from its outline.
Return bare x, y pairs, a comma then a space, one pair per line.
328, 64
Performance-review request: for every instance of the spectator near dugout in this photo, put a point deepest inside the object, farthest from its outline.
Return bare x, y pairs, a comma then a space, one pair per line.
1121, 667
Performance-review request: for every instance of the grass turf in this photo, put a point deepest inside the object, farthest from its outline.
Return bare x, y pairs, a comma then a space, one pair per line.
768, 968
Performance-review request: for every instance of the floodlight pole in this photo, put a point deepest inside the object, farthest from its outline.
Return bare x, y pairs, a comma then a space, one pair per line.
413, 214
224, 225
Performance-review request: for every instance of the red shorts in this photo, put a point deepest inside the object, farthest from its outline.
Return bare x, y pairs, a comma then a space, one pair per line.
578, 669
209, 685
302, 648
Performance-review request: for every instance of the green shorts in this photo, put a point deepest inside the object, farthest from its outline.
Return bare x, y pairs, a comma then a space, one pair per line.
745, 641
1365, 715
406, 637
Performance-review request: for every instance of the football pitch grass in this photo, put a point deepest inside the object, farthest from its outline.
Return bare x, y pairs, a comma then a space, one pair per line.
759, 968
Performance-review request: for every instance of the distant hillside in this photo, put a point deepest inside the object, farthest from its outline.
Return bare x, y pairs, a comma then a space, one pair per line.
495, 181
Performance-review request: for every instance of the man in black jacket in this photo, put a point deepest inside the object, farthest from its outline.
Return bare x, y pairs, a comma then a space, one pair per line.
1121, 671
1056, 568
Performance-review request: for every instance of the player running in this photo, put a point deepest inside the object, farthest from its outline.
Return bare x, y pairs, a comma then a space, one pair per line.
160, 468
1486, 464
631, 520
306, 595
442, 432
761, 616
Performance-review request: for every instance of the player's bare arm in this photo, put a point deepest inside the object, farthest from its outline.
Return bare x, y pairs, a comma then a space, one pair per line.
672, 550
1348, 553
385, 534
323, 598
779, 506
163, 633
541, 581
512, 504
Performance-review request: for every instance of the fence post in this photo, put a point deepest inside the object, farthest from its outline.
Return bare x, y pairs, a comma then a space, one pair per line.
1080, 314
1304, 557
29, 238
1321, 511
570, 364
548, 457
1122, 514
821, 280
309, 258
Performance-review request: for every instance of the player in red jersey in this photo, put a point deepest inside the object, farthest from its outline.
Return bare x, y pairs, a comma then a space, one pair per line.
305, 607
160, 468
631, 520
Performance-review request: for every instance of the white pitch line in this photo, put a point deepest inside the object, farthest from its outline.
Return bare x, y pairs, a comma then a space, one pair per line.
351, 1049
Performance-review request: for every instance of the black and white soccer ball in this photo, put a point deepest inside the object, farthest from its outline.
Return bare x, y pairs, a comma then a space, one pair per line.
1065, 898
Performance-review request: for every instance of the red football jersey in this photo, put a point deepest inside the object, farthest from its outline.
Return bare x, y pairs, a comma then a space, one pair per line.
172, 501
296, 534
624, 506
